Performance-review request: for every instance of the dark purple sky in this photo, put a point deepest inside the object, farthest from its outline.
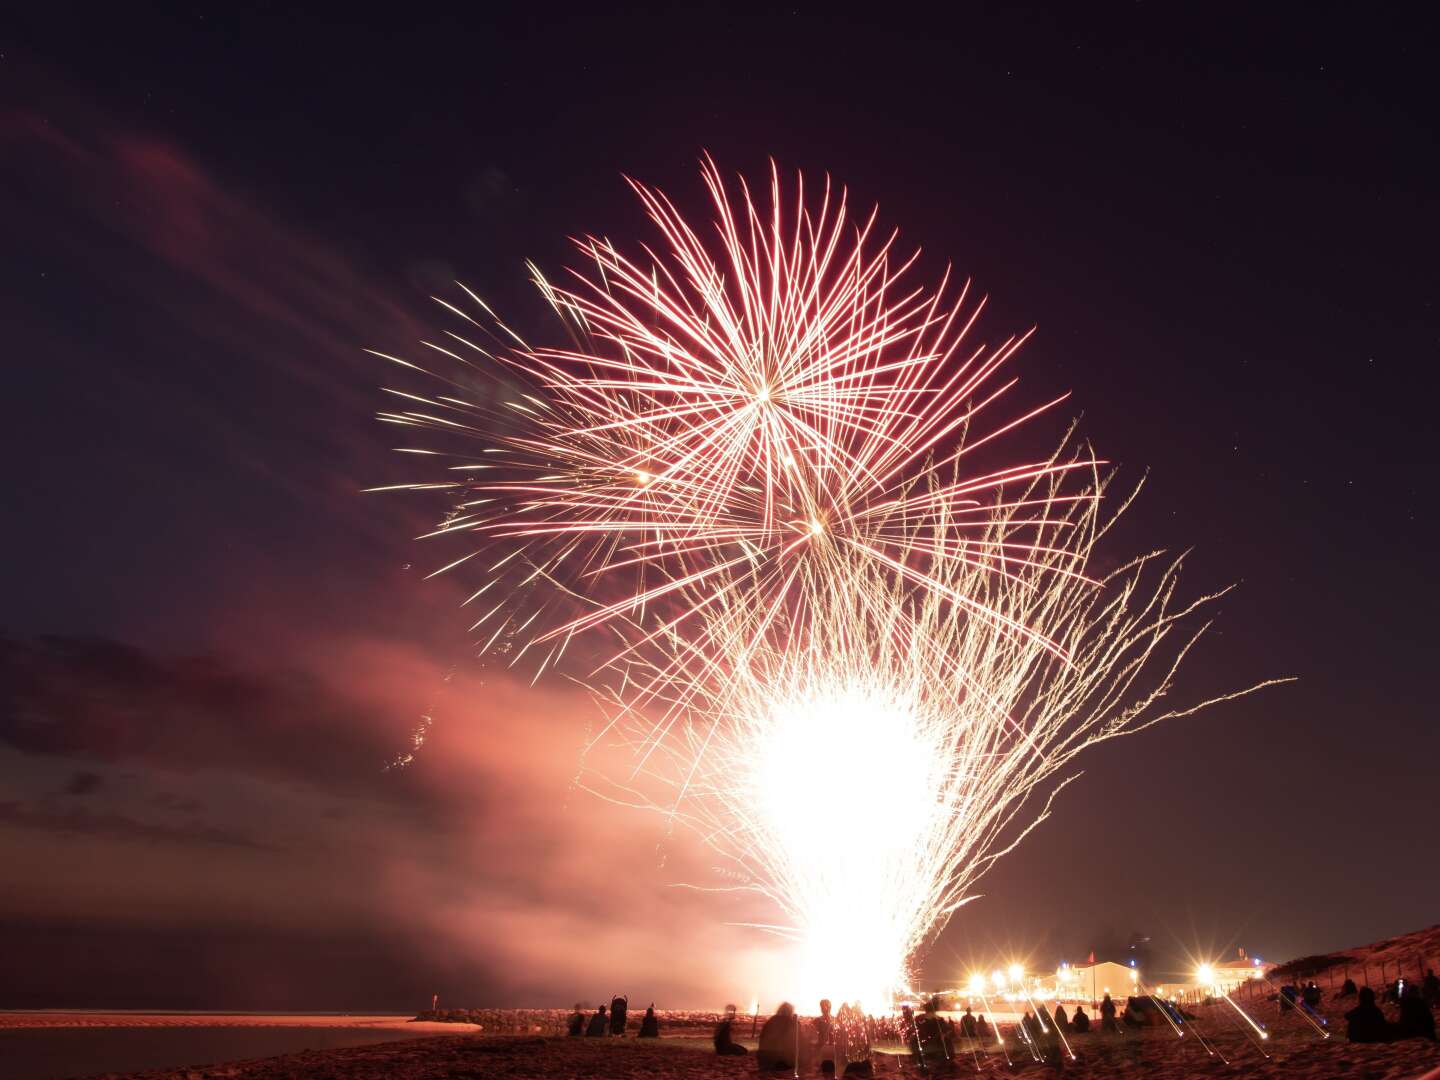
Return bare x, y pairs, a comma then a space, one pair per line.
1224, 227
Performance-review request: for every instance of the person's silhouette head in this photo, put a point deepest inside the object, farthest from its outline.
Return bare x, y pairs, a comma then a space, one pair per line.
824, 1006
1367, 996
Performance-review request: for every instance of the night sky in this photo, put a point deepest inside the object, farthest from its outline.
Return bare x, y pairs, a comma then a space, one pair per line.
1225, 229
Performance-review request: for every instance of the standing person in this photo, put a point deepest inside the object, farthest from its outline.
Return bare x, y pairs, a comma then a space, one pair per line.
597, 1024
1107, 1016
909, 1033
650, 1024
725, 1044
824, 1023
619, 1004
825, 1035
931, 1034
852, 1042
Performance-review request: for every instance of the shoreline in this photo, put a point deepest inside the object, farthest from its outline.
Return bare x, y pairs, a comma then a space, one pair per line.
50, 1019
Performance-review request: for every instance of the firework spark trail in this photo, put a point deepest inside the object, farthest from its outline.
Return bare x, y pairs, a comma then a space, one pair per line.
849, 663
928, 734
779, 393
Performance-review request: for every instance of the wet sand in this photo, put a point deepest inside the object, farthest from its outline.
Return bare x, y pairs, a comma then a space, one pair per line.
56, 1045
123, 1019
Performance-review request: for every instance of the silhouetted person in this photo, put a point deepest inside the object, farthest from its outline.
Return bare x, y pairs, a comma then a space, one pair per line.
909, 1031
1366, 1021
619, 1005
577, 1021
597, 1023
779, 1040
725, 1044
1288, 995
852, 1042
824, 1029
1347, 989
1048, 1036
1028, 1029
1432, 987
931, 1032
982, 1029
967, 1024
1062, 1022
1416, 1019
1107, 1016
1134, 1014
650, 1024
824, 1024
1311, 995
1081, 1023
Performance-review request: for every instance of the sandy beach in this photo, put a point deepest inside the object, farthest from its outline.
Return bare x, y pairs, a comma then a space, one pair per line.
1150, 1055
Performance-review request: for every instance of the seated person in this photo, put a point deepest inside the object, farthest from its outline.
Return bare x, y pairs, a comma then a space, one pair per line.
577, 1021
1367, 1022
1134, 1014
967, 1024
1062, 1022
1081, 1022
1416, 1019
780, 1040
725, 1044
650, 1024
597, 1023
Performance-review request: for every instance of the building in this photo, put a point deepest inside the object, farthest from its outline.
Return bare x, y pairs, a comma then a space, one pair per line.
1226, 975
1091, 982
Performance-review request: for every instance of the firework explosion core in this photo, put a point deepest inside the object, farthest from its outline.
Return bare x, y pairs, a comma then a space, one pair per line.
842, 658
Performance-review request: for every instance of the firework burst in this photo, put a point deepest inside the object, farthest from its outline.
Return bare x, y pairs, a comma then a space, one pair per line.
842, 657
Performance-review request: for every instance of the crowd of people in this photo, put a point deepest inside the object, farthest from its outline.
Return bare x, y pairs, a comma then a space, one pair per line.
1366, 1023
601, 1025
840, 1042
